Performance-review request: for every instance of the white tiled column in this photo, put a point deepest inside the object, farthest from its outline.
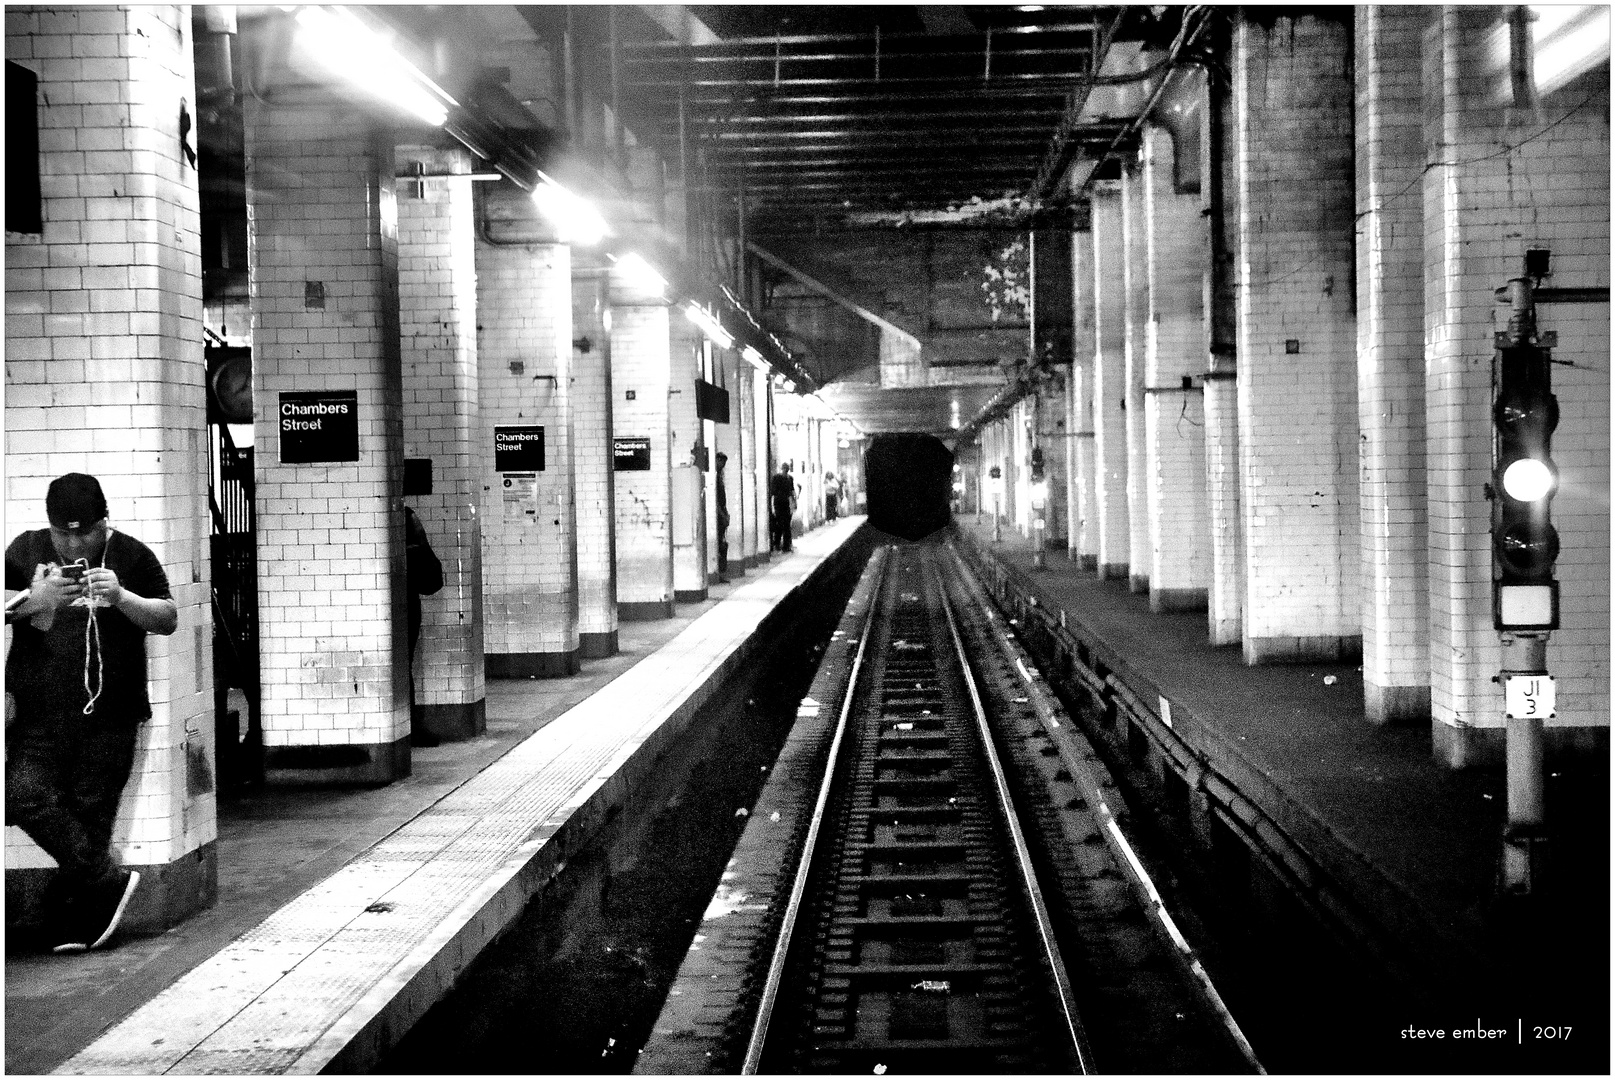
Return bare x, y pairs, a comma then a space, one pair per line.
592, 481
529, 537
438, 328
1053, 408
1110, 384
1220, 195
1082, 530
1136, 312
741, 481
322, 236
643, 497
1527, 179
689, 479
726, 439
104, 375
1174, 406
1297, 337
1390, 363
762, 418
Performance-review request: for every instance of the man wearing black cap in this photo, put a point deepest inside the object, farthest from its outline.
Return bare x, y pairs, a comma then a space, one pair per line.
82, 599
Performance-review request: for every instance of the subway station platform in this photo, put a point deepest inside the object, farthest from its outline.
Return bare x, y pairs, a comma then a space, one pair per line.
344, 914
1412, 846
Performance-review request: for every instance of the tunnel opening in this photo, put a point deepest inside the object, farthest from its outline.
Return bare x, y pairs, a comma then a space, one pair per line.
910, 484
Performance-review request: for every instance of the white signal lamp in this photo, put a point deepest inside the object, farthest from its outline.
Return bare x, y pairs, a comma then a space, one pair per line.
1528, 480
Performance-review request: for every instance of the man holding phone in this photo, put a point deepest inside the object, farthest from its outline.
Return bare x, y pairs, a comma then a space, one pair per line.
81, 599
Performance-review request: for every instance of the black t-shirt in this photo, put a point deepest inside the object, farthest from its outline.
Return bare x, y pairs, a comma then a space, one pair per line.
781, 488
46, 668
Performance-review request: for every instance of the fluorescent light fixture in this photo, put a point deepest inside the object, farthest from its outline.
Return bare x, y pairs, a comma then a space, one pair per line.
575, 220
1566, 41
346, 47
790, 386
641, 275
754, 358
710, 326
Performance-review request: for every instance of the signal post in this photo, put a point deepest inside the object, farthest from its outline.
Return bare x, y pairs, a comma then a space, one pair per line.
1525, 607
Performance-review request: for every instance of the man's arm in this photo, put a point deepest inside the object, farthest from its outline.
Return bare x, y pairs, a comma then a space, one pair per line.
155, 615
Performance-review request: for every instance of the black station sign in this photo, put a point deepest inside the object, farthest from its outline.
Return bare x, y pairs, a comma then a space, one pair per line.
319, 426
518, 449
631, 454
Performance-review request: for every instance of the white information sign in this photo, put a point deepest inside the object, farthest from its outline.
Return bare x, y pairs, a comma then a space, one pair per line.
1528, 697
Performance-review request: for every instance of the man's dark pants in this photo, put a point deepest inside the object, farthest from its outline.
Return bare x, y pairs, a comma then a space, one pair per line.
65, 773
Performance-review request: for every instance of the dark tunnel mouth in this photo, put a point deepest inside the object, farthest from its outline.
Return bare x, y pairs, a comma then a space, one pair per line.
910, 484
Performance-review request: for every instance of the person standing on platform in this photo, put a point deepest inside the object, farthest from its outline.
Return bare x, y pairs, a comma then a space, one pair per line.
781, 503
423, 577
81, 599
832, 496
723, 520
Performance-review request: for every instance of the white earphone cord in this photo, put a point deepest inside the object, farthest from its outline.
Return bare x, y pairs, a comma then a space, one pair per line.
92, 630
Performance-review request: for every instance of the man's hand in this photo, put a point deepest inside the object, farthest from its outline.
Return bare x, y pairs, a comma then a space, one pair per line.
51, 593
152, 616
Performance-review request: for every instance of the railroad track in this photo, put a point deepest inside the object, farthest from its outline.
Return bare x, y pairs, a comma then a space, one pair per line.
916, 938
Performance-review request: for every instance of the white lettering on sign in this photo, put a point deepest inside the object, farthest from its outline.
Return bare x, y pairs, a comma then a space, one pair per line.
317, 408
517, 438
1528, 697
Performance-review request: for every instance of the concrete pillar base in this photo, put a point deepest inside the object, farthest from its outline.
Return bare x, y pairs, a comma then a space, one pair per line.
546, 665
456, 722
598, 646
644, 610
1472, 747
1300, 650
167, 895
336, 765
1178, 600
1390, 704
690, 596
1112, 571
1139, 583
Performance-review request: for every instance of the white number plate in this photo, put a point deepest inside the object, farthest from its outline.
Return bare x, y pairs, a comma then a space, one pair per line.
1528, 696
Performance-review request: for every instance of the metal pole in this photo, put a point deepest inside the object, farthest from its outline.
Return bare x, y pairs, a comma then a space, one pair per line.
1523, 655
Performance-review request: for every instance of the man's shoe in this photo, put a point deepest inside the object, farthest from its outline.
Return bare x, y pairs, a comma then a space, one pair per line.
104, 907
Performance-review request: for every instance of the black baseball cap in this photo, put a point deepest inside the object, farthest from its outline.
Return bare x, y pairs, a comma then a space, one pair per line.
75, 501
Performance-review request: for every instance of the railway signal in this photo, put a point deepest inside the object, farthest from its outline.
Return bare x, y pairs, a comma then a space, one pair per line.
1524, 542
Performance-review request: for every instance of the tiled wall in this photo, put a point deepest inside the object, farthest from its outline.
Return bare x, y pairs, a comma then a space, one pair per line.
1548, 186
592, 480
1220, 198
1390, 363
1136, 313
762, 420
1110, 384
1174, 415
437, 324
1083, 511
104, 372
689, 481
1297, 337
643, 499
322, 243
529, 540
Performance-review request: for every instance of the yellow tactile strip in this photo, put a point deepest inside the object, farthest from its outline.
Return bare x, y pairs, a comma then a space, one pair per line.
341, 971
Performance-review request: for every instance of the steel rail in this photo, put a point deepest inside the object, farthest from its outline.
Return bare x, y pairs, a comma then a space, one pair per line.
1034, 894
1143, 885
776, 967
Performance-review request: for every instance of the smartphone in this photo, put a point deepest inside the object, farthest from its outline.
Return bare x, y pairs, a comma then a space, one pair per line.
74, 571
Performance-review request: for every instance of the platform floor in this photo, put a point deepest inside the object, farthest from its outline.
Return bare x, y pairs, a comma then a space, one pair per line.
345, 913
1299, 734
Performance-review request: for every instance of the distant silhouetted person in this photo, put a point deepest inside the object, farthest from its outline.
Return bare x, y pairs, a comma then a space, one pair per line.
423, 577
723, 520
832, 495
781, 502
